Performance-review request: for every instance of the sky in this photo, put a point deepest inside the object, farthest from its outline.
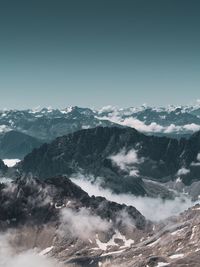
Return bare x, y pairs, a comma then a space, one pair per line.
97, 52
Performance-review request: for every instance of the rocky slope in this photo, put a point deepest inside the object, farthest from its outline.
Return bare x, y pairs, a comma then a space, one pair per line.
3, 168
174, 243
31, 201
59, 220
123, 159
58, 216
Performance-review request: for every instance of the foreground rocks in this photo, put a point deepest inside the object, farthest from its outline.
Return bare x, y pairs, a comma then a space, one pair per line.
60, 220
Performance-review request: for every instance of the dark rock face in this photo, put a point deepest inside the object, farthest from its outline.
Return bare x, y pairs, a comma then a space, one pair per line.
14, 144
90, 151
3, 167
35, 202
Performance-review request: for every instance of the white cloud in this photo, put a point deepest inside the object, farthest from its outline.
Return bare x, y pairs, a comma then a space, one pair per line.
191, 127
141, 126
4, 128
9, 257
5, 180
183, 171
108, 109
154, 209
81, 223
11, 162
152, 127
195, 164
126, 161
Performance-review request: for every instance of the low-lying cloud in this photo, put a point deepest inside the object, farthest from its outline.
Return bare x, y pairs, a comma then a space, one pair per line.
81, 223
127, 161
11, 162
9, 257
183, 171
154, 209
153, 127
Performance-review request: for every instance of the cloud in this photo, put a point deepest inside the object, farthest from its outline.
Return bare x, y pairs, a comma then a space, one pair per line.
5, 180
153, 127
11, 162
81, 223
156, 128
154, 209
9, 257
141, 126
4, 128
126, 161
183, 171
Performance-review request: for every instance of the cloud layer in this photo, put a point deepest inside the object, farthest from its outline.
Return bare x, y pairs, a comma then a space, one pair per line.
154, 209
153, 127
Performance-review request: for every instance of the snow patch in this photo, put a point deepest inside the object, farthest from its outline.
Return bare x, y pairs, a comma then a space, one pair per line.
176, 256
11, 162
111, 242
45, 251
162, 264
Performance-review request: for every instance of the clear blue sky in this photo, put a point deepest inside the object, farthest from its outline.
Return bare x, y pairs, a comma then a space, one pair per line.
99, 52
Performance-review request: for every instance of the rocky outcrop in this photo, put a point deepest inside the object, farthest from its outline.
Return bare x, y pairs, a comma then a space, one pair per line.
31, 201
3, 167
32, 212
91, 151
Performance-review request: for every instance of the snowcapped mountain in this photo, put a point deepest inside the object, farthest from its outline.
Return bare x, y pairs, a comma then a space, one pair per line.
22, 131
46, 123
173, 121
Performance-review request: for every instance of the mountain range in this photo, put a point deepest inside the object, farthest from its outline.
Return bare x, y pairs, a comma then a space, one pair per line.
122, 159
142, 158
45, 124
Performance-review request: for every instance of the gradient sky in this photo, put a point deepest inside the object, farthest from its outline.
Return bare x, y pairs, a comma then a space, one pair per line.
99, 52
